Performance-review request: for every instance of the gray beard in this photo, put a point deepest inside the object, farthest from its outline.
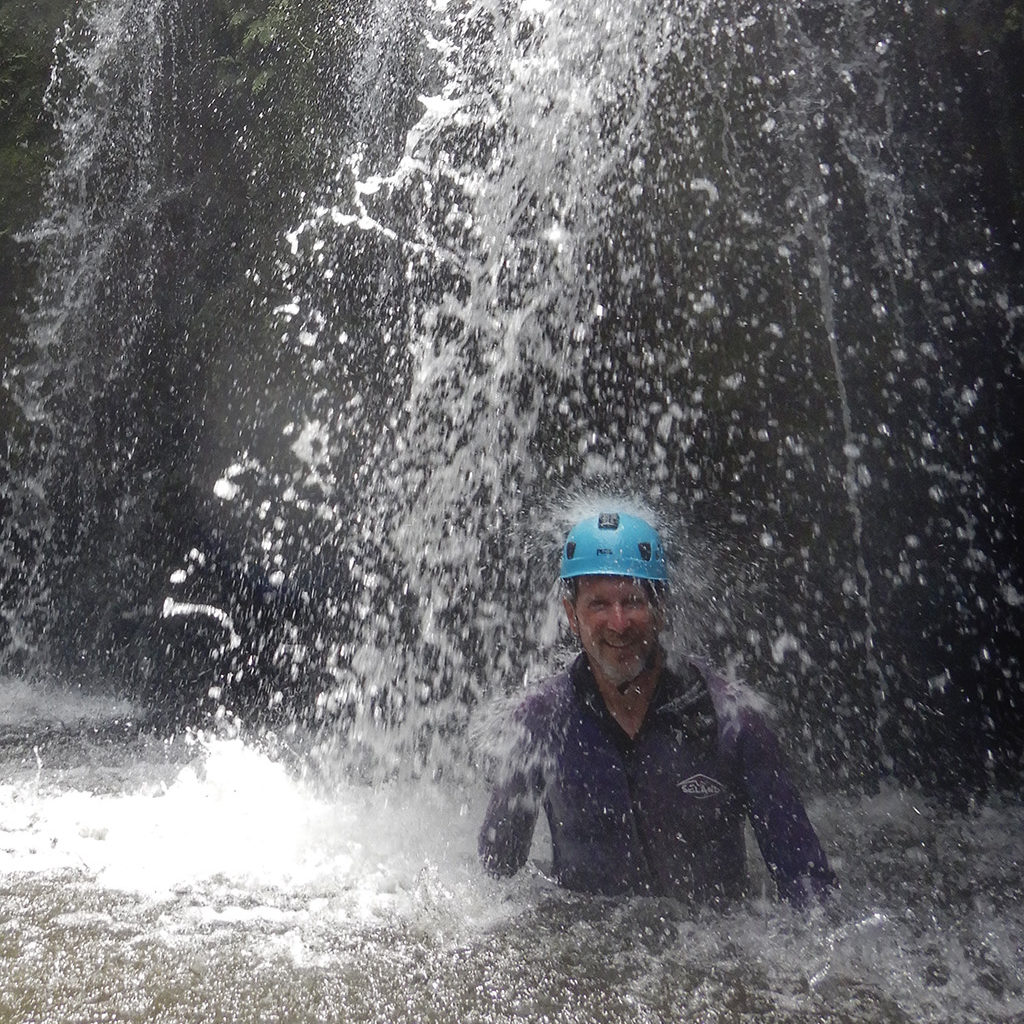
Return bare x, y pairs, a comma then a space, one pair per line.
618, 674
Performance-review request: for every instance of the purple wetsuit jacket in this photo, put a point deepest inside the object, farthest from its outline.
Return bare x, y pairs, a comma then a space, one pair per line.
662, 813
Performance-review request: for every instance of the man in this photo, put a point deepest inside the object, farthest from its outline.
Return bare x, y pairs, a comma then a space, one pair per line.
646, 774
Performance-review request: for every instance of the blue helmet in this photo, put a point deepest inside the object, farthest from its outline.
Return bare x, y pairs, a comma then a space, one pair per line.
614, 544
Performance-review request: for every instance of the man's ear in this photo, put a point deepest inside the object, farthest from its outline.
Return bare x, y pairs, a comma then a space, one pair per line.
570, 614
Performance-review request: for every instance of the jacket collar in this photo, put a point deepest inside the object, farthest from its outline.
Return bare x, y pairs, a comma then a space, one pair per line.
677, 693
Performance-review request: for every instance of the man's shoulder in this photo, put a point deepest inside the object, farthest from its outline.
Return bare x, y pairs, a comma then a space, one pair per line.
513, 728
735, 705
546, 696
522, 727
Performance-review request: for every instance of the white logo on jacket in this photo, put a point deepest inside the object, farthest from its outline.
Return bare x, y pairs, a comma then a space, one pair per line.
703, 787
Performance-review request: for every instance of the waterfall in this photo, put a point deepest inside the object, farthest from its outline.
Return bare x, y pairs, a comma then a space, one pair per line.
720, 260
344, 311
556, 333
97, 246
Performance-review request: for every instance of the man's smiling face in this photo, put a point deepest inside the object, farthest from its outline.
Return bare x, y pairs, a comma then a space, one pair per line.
617, 624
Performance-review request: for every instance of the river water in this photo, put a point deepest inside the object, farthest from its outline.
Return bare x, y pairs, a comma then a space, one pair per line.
216, 877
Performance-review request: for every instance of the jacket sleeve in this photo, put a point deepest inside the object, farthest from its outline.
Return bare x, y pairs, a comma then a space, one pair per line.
787, 840
507, 832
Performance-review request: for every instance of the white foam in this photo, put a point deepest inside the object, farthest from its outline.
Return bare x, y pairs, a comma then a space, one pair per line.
241, 822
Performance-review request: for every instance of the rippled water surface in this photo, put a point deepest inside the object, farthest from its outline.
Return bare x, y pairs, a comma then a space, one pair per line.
206, 878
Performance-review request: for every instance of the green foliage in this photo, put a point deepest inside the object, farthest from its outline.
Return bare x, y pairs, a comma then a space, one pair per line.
1013, 21
12, 65
26, 138
25, 134
265, 42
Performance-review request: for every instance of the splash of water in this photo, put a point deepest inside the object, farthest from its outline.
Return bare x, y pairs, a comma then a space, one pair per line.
520, 362
506, 170
672, 253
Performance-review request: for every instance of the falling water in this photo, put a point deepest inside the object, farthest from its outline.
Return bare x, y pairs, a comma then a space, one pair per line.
99, 221
533, 331
686, 256
508, 208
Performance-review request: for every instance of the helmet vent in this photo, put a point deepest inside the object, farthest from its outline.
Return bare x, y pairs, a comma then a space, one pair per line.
608, 521
570, 549
645, 551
